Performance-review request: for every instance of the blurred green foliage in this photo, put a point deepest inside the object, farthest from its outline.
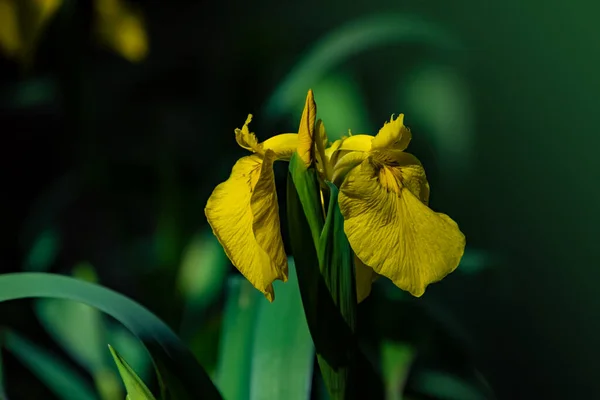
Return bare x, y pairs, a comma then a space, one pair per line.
112, 162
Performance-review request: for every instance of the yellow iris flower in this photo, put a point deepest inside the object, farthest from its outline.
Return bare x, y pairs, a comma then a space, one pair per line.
383, 197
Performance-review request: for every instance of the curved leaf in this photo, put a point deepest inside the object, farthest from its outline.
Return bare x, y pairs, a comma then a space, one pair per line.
176, 365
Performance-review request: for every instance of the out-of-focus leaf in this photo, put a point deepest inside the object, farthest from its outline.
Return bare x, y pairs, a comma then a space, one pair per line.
235, 346
341, 105
77, 328
201, 278
439, 100
178, 369
136, 389
61, 379
396, 359
476, 260
444, 386
332, 337
335, 259
34, 92
43, 252
348, 40
283, 353
203, 269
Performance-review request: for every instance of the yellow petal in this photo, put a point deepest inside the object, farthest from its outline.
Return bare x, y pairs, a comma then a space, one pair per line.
365, 276
357, 143
306, 131
243, 214
346, 164
246, 139
393, 232
393, 134
283, 145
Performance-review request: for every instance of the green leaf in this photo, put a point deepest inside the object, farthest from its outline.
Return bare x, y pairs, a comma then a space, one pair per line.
202, 274
283, 352
235, 346
332, 336
177, 367
130, 348
396, 360
136, 389
337, 268
61, 379
306, 187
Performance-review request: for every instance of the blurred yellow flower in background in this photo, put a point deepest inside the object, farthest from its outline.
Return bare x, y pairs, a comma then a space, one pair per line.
118, 26
121, 28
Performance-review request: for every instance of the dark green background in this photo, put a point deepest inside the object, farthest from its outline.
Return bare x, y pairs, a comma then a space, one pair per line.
126, 148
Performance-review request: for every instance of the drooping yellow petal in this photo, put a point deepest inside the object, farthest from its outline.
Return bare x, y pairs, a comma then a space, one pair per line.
393, 232
243, 213
283, 145
246, 139
306, 131
393, 134
365, 276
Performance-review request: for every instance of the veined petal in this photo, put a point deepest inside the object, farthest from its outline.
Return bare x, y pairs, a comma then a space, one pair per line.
306, 131
247, 139
407, 168
393, 134
243, 213
283, 145
393, 232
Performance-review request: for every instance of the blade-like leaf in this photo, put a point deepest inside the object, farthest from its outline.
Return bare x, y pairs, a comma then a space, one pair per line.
136, 389
235, 346
283, 353
335, 259
176, 365
61, 379
332, 336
